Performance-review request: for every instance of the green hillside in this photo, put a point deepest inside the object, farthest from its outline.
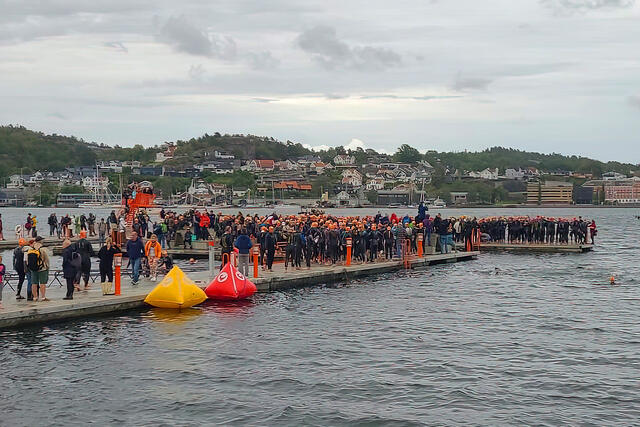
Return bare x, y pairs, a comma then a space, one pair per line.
27, 150
23, 149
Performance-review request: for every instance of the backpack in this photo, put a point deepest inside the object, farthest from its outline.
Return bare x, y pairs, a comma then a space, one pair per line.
224, 242
34, 260
76, 260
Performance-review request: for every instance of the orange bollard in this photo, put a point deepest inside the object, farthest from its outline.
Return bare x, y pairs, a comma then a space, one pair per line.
349, 243
117, 262
256, 250
420, 249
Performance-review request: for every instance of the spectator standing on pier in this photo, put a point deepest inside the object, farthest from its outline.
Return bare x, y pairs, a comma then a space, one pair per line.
53, 224
71, 263
18, 266
91, 221
135, 252
85, 250
243, 244
38, 264
270, 247
153, 252
102, 231
1, 229
105, 255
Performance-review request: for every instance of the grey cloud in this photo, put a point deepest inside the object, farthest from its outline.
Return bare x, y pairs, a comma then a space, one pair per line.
634, 101
471, 83
330, 52
262, 60
186, 37
117, 45
570, 6
265, 100
414, 98
58, 115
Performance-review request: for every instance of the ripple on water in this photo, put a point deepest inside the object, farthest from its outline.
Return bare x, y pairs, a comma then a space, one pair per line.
507, 339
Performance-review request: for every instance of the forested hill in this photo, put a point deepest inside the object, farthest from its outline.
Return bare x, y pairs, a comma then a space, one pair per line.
21, 148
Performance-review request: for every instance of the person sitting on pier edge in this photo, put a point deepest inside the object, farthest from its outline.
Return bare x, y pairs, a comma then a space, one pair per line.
243, 244
135, 252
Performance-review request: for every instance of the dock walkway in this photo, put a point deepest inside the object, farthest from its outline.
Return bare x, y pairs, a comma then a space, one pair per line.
92, 302
536, 247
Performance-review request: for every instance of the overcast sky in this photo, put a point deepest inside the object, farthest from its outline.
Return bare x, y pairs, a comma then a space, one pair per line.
542, 75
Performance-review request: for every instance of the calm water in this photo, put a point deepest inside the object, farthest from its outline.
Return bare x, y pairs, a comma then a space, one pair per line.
506, 339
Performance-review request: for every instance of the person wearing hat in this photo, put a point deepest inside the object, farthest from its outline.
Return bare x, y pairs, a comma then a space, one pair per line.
18, 266
38, 265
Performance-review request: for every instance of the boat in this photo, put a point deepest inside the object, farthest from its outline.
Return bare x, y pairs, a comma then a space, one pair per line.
437, 203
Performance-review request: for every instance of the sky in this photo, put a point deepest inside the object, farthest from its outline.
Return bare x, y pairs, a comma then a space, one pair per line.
448, 75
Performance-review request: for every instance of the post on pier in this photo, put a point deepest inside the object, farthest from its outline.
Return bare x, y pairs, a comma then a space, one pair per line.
256, 251
212, 258
117, 262
349, 244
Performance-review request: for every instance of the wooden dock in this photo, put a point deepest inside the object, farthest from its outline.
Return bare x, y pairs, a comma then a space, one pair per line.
92, 302
536, 247
48, 241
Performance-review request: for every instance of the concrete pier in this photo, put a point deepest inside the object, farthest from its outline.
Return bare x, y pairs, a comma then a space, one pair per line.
92, 302
536, 247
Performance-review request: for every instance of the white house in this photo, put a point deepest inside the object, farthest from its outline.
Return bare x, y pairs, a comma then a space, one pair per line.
352, 177
223, 155
488, 174
375, 184
514, 174
261, 165
286, 165
344, 160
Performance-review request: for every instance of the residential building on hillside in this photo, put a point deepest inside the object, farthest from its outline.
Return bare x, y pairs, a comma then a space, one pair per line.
550, 193
375, 184
292, 186
223, 155
613, 176
352, 177
511, 173
261, 165
344, 160
167, 153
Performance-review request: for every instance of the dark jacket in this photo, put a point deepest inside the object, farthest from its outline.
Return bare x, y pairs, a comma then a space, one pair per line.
135, 250
106, 256
68, 270
243, 243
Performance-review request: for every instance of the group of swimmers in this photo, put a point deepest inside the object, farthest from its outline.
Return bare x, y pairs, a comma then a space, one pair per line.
539, 229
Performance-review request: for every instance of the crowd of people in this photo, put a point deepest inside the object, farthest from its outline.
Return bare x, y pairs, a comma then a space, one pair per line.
539, 229
302, 240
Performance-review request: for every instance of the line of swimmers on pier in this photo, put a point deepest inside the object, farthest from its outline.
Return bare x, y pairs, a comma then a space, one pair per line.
538, 230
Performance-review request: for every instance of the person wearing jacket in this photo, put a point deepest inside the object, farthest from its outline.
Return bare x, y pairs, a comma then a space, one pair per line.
18, 266
105, 255
70, 267
243, 244
135, 252
84, 248
153, 252
270, 247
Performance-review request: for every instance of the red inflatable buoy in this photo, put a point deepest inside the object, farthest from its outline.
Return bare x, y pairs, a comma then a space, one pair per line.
230, 284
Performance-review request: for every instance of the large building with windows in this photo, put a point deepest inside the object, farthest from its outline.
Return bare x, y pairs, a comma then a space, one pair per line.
550, 193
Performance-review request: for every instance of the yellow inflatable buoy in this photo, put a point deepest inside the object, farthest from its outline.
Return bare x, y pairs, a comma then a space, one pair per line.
176, 290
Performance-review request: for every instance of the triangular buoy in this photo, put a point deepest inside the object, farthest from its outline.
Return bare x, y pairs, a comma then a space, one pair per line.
230, 284
176, 290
